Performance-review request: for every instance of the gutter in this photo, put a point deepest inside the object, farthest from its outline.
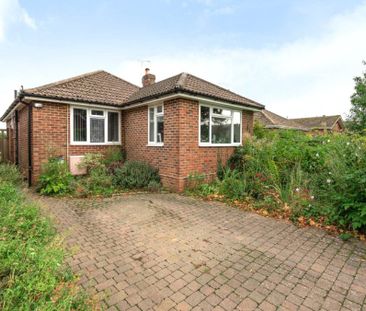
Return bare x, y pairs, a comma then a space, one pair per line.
181, 91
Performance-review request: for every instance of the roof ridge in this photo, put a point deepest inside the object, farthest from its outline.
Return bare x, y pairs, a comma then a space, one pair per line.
182, 79
222, 88
264, 112
325, 116
45, 86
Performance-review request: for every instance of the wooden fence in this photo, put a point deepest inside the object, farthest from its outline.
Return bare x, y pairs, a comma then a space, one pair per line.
4, 153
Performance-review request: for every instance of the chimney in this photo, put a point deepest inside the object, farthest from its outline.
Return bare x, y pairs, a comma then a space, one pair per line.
148, 78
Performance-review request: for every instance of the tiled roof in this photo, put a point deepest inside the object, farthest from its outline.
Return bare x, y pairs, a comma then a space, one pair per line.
318, 122
271, 120
101, 87
187, 83
94, 87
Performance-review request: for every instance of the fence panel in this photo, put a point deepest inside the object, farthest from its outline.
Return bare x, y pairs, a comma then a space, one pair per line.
4, 154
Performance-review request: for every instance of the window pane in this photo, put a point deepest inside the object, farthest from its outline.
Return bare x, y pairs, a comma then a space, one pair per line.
96, 130
221, 131
151, 125
205, 124
97, 113
159, 109
79, 125
160, 129
223, 112
113, 134
236, 124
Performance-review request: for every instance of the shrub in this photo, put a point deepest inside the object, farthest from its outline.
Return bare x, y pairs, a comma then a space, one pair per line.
92, 161
134, 174
233, 185
321, 177
55, 178
98, 181
114, 155
154, 186
194, 180
10, 173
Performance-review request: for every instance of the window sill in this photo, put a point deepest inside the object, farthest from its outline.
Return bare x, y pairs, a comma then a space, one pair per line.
219, 145
154, 145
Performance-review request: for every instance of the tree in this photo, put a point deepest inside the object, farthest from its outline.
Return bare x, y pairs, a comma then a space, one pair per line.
357, 118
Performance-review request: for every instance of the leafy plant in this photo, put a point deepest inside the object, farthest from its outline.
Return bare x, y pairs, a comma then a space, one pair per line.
55, 178
10, 173
135, 174
98, 180
320, 177
195, 179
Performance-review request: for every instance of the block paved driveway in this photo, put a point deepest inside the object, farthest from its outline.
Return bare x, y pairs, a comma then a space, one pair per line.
169, 252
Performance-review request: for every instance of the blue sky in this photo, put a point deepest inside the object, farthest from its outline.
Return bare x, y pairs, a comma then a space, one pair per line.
296, 57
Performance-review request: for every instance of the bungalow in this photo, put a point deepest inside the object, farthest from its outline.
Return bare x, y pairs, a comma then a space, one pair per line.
271, 120
180, 125
323, 124
313, 125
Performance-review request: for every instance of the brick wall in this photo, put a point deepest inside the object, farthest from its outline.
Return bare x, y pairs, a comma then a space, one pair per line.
181, 155
135, 139
51, 134
194, 158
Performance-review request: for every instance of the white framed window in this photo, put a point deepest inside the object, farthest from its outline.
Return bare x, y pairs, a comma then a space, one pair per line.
219, 126
156, 125
94, 126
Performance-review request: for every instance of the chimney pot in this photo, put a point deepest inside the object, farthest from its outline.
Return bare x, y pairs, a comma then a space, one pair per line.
15, 93
148, 78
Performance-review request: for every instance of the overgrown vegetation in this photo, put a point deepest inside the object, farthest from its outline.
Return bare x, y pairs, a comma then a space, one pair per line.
55, 177
105, 174
321, 178
32, 274
134, 174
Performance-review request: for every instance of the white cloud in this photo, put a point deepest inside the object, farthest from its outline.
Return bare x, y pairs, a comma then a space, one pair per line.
309, 76
12, 12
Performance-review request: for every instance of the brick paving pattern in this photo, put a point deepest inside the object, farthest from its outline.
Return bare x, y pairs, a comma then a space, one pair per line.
169, 252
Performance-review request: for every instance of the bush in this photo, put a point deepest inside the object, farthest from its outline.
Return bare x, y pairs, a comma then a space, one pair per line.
55, 178
114, 155
98, 180
318, 177
10, 173
32, 274
134, 174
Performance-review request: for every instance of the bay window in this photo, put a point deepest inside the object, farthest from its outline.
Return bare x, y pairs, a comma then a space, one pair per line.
95, 126
156, 125
219, 126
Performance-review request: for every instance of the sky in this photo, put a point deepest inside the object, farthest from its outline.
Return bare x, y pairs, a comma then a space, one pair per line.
298, 58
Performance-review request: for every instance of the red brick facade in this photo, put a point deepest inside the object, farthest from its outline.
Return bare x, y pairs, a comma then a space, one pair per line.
180, 156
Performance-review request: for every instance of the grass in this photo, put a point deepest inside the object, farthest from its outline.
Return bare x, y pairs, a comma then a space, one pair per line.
32, 271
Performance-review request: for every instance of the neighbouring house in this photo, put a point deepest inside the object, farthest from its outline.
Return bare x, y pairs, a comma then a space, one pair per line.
270, 120
180, 125
323, 124
313, 125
